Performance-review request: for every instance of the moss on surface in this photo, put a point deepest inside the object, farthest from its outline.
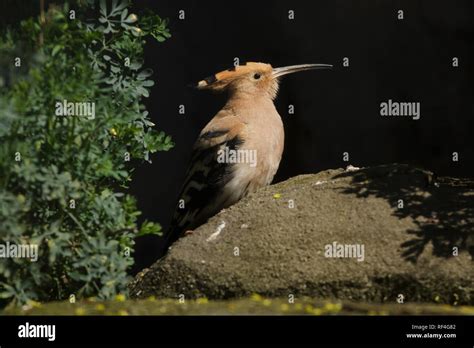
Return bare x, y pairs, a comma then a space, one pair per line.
253, 305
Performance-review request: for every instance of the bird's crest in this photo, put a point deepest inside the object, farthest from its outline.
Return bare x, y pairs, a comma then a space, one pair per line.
223, 77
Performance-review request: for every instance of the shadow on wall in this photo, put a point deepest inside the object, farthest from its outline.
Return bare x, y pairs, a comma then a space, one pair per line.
443, 208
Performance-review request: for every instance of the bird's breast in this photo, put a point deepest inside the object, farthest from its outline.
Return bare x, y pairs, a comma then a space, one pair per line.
264, 143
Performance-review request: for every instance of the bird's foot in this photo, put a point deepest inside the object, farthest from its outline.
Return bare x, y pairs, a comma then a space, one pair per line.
188, 232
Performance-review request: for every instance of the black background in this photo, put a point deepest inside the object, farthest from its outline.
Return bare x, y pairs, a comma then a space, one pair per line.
222, 330
335, 111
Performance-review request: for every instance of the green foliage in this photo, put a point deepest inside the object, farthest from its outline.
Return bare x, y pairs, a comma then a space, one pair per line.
63, 179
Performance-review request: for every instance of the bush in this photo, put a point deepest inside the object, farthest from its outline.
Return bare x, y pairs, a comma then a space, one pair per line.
63, 177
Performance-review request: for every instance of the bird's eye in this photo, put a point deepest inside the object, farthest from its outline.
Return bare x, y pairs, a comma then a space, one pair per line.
256, 76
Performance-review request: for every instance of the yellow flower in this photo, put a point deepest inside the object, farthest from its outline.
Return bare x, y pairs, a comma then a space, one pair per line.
100, 307
277, 195
120, 298
80, 311
256, 297
332, 307
122, 312
34, 304
113, 132
202, 300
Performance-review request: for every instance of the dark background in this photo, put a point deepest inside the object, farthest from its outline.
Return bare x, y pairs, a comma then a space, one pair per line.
335, 111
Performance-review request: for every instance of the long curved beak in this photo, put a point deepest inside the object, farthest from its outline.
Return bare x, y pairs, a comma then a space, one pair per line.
277, 72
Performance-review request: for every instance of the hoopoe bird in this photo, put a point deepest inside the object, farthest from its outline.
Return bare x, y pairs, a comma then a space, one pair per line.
239, 150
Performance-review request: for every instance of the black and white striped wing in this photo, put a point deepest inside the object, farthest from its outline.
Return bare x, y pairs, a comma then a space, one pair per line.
202, 195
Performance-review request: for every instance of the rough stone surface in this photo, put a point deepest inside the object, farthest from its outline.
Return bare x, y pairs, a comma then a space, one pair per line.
409, 222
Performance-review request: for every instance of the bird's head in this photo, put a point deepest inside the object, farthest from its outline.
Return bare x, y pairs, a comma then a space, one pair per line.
253, 79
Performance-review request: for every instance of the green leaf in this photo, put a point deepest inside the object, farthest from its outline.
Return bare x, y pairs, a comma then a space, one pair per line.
148, 83
56, 49
142, 75
149, 228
